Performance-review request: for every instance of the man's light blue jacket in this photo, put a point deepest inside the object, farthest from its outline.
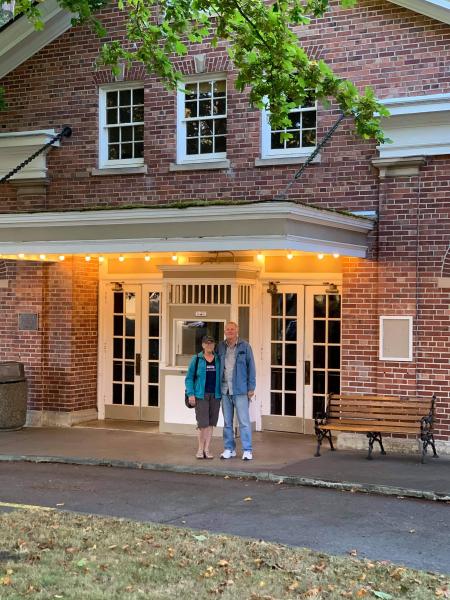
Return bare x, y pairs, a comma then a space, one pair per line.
197, 388
244, 374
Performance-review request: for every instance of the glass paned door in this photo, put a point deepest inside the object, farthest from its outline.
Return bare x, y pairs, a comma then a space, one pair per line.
323, 347
151, 351
283, 408
124, 353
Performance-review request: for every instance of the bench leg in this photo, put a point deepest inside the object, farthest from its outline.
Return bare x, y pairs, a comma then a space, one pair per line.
323, 433
428, 440
374, 437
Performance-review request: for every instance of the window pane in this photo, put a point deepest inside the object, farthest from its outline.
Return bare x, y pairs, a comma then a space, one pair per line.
309, 119
291, 305
220, 144
277, 329
220, 126
192, 128
206, 145
113, 152
334, 306
220, 106
124, 97
319, 332
153, 349
111, 99
277, 304
118, 302
309, 138
130, 303
153, 393
154, 302
294, 141
129, 395
334, 332
290, 405
191, 91
275, 141
138, 150
276, 354
319, 357
129, 371
290, 380
334, 383
138, 96
319, 382
190, 110
290, 351
111, 116
117, 393
204, 108
291, 330
117, 370
113, 134
138, 114
126, 151
129, 349
192, 146
129, 326
205, 89
125, 114
138, 132
220, 87
127, 134
319, 306
118, 325
276, 403
153, 373
295, 119
118, 348
206, 128
318, 405
153, 327
334, 357
276, 380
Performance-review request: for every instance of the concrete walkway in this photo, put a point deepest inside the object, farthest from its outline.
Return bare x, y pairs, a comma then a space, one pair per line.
277, 457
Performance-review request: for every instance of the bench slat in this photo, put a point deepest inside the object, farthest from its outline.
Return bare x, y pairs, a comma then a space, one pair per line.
373, 415
381, 405
379, 428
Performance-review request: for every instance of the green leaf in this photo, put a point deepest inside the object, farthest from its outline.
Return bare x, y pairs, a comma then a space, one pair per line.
383, 595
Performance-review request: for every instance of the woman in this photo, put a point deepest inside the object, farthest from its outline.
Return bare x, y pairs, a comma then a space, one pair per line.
203, 389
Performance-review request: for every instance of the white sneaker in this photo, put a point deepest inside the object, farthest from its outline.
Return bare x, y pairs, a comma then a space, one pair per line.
228, 453
247, 455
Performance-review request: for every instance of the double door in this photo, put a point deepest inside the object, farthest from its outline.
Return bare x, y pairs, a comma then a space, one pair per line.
301, 355
132, 351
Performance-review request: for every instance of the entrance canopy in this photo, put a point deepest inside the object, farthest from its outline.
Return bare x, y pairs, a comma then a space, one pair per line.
253, 226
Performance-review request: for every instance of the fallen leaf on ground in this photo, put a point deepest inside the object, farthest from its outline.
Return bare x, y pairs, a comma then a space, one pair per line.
382, 595
248, 499
200, 538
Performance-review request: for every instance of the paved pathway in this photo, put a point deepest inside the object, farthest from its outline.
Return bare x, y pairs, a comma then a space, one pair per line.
410, 532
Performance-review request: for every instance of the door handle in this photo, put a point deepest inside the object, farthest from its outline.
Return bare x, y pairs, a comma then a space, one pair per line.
138, 364
307, 372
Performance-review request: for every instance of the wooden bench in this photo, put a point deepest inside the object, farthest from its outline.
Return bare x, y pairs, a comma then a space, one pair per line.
376, 415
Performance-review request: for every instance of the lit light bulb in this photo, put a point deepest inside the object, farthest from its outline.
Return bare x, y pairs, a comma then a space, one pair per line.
42, 256
87, 258
21, 255
289, 256
61, 257
121, 258
336, 255
147, 257
260, 256
320, 256
174, 257
101, 259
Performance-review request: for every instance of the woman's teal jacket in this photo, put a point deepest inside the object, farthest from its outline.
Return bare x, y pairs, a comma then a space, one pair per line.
197, 388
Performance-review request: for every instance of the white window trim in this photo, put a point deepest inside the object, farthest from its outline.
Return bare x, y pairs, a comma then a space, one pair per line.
182, 157
103, 161
410, 339
266, 150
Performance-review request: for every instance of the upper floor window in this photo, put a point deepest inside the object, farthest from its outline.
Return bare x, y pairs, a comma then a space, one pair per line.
202, 121
303, 131
122, 126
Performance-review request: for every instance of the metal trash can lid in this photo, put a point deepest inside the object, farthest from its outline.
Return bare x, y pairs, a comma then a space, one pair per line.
11, 372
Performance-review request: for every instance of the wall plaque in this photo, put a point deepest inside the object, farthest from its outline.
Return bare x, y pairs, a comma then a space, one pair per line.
28, 322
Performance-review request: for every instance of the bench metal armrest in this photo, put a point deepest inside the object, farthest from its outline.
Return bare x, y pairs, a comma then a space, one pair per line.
320, 419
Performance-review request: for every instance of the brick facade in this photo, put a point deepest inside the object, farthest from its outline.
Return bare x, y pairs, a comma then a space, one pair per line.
398, 52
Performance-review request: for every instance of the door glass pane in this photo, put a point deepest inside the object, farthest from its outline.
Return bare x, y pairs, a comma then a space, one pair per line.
129, 349
319, 306
129, 371
117, 370
291, 305
118, 302
154, 298
153, 349
291, 330
153, 395
129, 395
334, 383
290, 354
319, 382
153, 373
277, 304
277, 354
276, 403
118, 325
130, 303
290, 401
334, 357
276, 382
117, 393
153, 326
319, 357
244, 317
334, 332
277, 329
318, 405
130, 326
319, 332
334, 306
118, 348
290, 380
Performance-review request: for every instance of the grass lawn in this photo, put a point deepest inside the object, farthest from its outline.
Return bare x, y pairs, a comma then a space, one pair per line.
51, 554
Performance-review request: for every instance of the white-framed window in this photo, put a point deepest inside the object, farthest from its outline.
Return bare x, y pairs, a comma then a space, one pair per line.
121, 119
396, 338
303, 130
202, 120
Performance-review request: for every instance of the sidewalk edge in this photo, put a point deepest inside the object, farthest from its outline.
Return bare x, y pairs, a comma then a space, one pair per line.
368, 488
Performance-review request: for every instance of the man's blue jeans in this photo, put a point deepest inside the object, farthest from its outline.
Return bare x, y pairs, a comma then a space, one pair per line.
240, 402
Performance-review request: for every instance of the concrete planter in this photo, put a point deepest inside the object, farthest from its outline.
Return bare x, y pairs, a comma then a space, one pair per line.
13, 405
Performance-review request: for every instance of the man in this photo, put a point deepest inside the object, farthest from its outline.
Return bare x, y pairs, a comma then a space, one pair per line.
238, 382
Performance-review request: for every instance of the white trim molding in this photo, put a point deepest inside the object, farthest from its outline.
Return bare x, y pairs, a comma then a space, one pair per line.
417, 126
436, 9
268, 225
16, 146
19, 40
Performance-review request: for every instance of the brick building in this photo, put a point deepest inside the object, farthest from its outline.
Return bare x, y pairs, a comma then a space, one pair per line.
157, 221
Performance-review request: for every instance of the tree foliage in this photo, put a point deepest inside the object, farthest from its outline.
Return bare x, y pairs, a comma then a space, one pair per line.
262, 40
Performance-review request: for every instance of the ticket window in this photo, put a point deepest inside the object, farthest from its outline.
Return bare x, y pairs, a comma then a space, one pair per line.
188, 336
